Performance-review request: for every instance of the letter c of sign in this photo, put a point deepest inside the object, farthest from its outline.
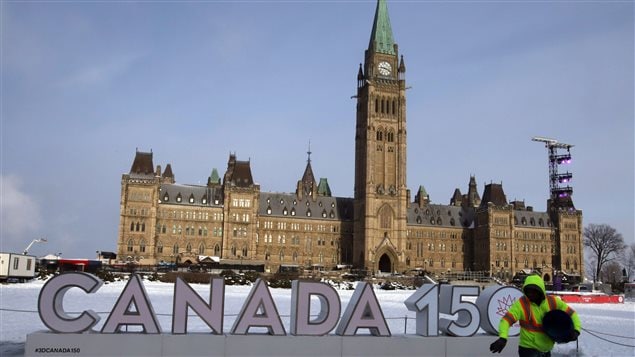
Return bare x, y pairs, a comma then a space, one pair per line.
50, 303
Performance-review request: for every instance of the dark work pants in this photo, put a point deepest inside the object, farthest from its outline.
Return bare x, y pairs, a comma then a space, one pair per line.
529, 352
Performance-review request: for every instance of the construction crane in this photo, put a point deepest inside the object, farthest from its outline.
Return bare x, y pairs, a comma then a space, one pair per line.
560, 194
41, 240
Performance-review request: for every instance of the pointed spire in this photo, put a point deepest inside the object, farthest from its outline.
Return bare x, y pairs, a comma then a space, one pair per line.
381, 39
308, 184
360, 73
402, 65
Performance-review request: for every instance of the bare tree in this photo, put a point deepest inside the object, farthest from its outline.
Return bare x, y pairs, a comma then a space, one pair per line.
606, 244
628, 260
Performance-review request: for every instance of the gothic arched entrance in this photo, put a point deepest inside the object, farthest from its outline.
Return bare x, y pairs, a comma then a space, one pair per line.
385, 264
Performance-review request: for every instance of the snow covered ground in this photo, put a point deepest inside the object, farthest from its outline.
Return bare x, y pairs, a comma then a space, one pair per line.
18, 315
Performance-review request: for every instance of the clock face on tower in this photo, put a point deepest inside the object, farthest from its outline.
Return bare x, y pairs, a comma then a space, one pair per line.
384, 68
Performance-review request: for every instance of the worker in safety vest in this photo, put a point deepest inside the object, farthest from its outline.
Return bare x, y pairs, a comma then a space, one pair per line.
529, 311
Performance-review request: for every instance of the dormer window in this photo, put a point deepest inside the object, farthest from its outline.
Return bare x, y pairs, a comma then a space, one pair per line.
166, 197
284, 211
191, 198
204, 200
308, 213
178, 198
293, 211
268, 210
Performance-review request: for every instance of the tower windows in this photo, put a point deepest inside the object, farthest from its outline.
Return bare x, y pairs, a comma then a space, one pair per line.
390, 136
376, 105
380, 135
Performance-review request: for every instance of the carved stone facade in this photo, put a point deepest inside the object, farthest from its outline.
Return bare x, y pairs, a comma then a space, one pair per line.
380, 229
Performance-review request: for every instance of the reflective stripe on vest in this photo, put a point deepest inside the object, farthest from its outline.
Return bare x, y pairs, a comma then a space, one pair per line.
529, 322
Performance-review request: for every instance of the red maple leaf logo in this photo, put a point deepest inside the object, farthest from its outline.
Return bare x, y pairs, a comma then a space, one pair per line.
504, 304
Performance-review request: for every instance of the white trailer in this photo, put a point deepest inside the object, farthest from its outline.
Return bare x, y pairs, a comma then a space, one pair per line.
18, 267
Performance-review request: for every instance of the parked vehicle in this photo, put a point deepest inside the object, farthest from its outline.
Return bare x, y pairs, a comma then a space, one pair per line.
16, 267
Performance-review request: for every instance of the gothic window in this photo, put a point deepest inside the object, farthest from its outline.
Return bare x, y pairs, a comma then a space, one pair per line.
201, 249
233, 250
216, 250
142, 246
383, 102
393, 107
175, 249
174, 229
159, 247
244, 251
132, 227
137, 227
188, 248
385, 217
380, 135
376, 105
130, 244
179, 230
163, 229
390, 136
281, 255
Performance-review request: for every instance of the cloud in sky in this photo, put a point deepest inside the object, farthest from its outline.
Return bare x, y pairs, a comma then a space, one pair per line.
102, 72
20, 215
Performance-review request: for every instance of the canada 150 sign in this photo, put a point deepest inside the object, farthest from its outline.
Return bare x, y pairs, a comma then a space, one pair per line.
259, 309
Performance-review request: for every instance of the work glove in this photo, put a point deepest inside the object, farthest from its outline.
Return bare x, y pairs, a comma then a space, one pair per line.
498, 345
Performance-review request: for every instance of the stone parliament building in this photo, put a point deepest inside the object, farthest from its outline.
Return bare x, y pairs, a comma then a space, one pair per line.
383, 228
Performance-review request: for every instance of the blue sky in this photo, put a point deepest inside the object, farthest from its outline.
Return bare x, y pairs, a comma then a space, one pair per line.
86, 83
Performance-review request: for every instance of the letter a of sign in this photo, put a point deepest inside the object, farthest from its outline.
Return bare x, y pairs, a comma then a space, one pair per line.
133, 294
259, 310
363, 311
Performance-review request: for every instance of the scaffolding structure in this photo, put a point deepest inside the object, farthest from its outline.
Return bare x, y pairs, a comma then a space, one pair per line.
559, 188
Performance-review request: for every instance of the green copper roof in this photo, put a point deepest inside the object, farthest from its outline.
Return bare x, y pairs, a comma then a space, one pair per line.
323, 188
381, 35
422, 191
214, 177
